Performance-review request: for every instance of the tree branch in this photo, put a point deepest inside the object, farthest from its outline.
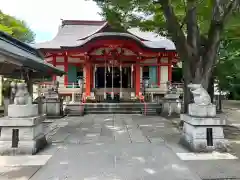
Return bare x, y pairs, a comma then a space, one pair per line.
193, 37
174, 27
222, 9
193, 34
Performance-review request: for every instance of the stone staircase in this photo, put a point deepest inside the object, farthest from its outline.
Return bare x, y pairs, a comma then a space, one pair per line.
114, 108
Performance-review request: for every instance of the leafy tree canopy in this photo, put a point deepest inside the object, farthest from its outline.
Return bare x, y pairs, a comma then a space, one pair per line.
149, 16
227, 70
17, 28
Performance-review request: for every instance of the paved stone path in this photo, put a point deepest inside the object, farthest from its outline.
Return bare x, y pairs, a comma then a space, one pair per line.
126, 147
120, 147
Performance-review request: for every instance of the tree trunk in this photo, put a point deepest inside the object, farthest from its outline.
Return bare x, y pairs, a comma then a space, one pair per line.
190, 76
210, 89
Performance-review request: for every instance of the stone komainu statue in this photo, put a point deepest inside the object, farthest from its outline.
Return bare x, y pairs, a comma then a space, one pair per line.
22, 96
200, 95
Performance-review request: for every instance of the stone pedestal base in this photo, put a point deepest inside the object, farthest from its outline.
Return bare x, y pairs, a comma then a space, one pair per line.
203, 134
202, 111
52, 108
18, 111
21, 135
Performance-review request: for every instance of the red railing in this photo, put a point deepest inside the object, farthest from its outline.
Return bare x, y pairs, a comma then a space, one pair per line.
141, 97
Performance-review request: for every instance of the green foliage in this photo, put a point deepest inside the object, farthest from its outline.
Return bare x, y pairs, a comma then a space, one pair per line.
148, 15
15, 27
228, 68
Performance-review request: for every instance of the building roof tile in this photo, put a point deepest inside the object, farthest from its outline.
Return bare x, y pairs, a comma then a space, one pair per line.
75, 33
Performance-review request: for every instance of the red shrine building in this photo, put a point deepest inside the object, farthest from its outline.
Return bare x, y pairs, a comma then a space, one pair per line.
110, 61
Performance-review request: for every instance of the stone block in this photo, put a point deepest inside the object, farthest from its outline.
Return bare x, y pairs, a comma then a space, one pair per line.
200, 145
16, 122
200, 132
195, 137
25, 147
201, 121
52, 107
18, 111
25, 133
202, 111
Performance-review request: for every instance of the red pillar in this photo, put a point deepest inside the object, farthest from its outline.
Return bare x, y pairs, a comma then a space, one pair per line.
66, 69
137, 79
88, 78
54, 61
91, 80
170, 68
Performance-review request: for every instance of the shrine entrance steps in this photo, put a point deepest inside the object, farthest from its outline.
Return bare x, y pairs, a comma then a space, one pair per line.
76, 109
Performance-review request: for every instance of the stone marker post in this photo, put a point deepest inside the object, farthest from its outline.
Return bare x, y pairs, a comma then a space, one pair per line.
202, 129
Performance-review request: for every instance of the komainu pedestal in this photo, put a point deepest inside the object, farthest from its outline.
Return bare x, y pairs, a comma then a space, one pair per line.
203, 129
21, 132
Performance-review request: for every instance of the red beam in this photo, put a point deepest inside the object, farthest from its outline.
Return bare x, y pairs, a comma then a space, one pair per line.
137, 79
123, 63
54, 64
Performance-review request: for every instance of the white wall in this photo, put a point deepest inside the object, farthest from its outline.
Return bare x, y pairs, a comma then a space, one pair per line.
164, 76
60, 79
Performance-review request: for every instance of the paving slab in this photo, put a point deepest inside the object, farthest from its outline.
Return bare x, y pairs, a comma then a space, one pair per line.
18, 173
124, 147
216, 169
119, 161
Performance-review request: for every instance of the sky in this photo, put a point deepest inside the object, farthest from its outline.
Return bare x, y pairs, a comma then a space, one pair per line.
44, 16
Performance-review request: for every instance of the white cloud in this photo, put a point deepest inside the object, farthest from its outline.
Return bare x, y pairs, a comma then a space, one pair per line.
43, 16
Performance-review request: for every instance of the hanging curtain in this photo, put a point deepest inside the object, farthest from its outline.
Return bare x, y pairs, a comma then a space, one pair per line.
95, 68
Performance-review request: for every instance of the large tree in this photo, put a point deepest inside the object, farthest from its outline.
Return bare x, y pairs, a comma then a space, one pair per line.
195, 26
16, 28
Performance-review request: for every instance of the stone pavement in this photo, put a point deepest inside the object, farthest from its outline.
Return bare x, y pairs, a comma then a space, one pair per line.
123, 147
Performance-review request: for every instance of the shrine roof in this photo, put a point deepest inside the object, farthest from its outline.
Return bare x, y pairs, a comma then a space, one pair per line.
73, 33
25, 56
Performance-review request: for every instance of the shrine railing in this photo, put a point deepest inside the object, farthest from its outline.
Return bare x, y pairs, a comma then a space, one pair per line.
151, 92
